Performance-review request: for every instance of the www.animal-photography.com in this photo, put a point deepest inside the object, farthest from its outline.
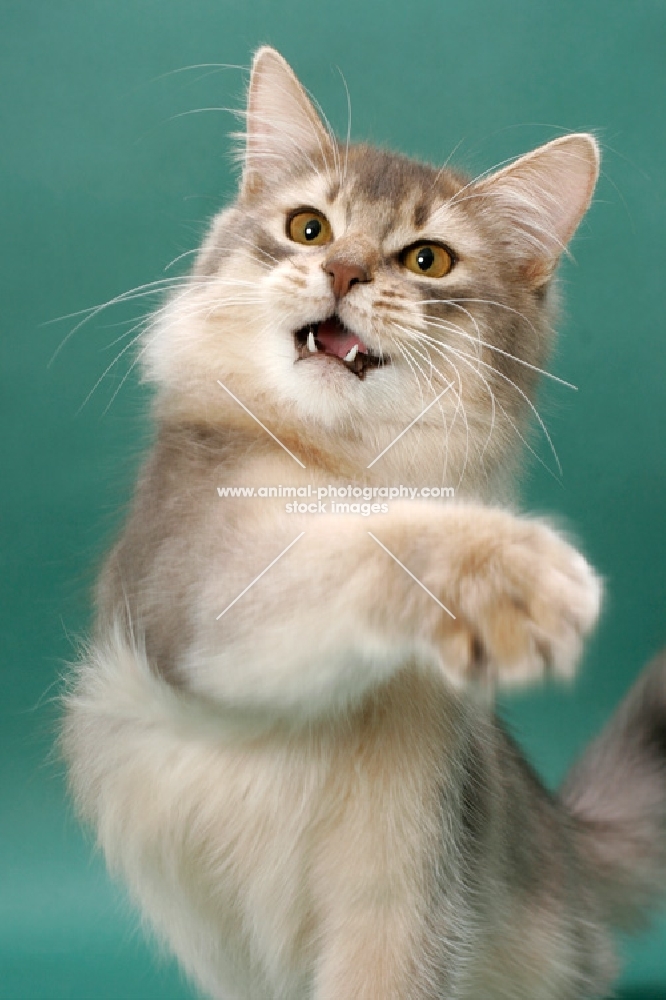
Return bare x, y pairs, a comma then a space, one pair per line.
335, 646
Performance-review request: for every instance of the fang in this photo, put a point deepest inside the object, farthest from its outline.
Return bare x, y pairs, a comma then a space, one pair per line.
352, 354
312, 347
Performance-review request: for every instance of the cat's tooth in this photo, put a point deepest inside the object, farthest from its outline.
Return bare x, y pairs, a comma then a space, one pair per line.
312, 347
352, 354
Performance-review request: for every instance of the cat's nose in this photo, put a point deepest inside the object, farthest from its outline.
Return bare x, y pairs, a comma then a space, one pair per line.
345, 275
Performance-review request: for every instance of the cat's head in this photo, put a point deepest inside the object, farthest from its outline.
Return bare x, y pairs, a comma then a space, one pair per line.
348, 288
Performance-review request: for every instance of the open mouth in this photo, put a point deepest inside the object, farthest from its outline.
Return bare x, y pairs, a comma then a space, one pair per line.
331, 340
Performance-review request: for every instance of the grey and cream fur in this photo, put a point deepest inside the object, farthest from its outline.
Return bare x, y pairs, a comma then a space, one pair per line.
310, 795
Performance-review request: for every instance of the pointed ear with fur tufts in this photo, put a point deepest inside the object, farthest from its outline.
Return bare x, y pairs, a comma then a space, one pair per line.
541, 198
283, 126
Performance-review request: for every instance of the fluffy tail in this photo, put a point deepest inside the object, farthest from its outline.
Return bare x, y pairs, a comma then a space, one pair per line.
616, 795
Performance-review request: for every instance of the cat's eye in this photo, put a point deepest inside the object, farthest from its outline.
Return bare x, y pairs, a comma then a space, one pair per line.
431, 260
309, 227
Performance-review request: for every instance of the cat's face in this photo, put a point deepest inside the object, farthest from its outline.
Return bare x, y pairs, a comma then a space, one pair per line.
349, 288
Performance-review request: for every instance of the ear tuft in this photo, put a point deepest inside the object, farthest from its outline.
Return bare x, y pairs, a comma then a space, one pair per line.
283, 126
543, 197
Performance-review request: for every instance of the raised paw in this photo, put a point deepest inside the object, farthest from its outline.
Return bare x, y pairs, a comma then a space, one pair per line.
524, 600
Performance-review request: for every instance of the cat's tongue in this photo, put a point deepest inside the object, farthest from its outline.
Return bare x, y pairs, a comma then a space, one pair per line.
337, 339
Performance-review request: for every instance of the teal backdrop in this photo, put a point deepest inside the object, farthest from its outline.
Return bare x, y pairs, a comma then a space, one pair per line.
105, 178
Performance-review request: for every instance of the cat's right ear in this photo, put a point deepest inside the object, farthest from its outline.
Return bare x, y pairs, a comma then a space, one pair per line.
541, 198
283, 126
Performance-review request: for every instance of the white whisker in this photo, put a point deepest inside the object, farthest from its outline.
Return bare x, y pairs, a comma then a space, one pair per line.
187, 253
433, 371
349, 122
440, 351
245, 239
416, 379
187, 69
153, 288
333, 140
461, 354
460, 406
510, 421
453, 328
201, 111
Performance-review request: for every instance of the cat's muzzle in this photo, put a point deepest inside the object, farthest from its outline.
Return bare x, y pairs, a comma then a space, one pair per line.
330, 340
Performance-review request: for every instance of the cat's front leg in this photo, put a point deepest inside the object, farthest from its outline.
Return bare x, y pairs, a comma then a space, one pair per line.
524, 599
478, 593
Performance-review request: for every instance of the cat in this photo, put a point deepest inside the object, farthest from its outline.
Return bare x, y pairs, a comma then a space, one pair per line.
282, 729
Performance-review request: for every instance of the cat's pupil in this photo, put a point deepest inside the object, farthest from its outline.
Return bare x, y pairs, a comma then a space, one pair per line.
425, 258
312, 230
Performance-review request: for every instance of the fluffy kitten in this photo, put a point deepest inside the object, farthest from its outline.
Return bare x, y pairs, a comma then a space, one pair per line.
305, 787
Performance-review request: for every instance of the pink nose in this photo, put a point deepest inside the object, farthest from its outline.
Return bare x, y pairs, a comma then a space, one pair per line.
345, 276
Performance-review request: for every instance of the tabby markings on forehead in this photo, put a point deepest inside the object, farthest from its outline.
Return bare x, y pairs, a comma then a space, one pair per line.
421, 214
382, 176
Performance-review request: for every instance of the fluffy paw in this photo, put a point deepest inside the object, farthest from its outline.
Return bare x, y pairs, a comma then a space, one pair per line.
524, 599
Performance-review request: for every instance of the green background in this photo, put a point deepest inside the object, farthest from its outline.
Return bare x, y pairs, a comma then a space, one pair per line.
102, 185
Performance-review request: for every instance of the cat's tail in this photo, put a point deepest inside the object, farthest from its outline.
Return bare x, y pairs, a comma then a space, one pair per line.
616, 796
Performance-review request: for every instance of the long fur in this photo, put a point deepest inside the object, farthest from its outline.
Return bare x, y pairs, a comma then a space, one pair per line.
282, 730
616, 795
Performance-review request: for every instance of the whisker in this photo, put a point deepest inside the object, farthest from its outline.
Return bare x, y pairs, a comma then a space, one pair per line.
460, 406
486, 384
153, 319
405, 356
329, 128
187, 69
511, 422
188, 253
108, 369
453, 328
434, 371
489, 302
461, 354
245, 239
201, 111
163, 282
349, 121
158, 330
446, 163
142, 326
128, 333
152, 288
454, 303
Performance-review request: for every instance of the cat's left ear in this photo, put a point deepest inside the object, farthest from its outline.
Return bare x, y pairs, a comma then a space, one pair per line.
283, 126
541, 198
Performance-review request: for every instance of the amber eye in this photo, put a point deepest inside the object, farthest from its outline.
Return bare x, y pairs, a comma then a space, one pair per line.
309, 227
428, 259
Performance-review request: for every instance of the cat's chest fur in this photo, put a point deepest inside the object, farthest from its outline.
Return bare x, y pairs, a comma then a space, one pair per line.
265, 833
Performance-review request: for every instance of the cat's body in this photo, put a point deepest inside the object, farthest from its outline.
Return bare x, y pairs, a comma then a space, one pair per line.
305, 786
